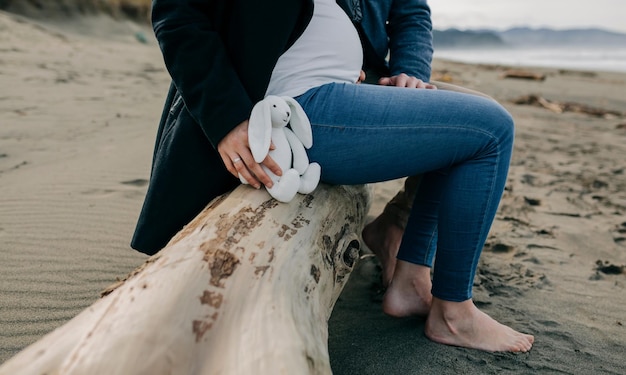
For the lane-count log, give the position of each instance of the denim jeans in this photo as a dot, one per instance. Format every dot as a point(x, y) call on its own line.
point(398, 208)
point(461, 144)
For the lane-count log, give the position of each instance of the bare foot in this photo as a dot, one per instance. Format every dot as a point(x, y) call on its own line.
point(462, 324)
point(383, 237)
point(409, 292)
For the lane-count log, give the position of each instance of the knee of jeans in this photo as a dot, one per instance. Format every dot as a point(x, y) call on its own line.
point(508, 125)
point(503, 126)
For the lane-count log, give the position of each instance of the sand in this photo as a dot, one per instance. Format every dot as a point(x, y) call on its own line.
point(79, 104)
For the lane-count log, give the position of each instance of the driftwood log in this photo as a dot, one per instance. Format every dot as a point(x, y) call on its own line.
point(246, 288)
point(560, 107)
point(523, 74)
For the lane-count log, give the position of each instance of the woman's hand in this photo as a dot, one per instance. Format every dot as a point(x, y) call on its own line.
point(403, 80)
point(237, 157)
point(361, 76)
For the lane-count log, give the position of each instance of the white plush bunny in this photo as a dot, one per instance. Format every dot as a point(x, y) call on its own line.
point(268, 123)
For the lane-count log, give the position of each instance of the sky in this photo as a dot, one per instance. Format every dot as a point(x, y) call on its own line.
point(504, 14)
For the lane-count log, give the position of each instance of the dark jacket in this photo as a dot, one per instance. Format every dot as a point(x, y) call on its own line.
point(406, 36)
point(220, 55)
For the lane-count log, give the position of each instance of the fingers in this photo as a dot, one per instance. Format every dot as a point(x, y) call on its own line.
point(234, 150)
point(258, 173)
point(232, 163)
point(236, 156)
point(251, 171)
point(361, 77)
point(270, 164)
point(243, 164)
point(240, 168)
point(404, 80)
point(385, 81)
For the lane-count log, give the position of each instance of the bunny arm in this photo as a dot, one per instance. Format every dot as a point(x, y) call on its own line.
point(300, 158)
point(299, 122)
point(285, 186)
point(282, 151)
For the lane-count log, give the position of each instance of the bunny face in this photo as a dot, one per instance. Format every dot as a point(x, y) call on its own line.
point(280, 112)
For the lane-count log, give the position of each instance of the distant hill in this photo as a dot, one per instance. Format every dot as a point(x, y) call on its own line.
point(523, 36)
point(549, 37)
point(454, 38)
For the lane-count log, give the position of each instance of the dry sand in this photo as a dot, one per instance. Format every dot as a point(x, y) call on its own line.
point(79, 105)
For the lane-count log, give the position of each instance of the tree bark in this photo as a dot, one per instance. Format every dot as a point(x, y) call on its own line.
point(246, 288)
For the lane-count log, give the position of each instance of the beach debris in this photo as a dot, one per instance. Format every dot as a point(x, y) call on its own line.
point(523, 74)
point(532, 201)
point(499, 247)
point(580, 73)
point(141, 37)
point(442, 76)
point(538, 101)
point(608, 268)
point(560, 107)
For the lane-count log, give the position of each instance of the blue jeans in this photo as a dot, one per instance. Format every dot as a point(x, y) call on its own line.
point(461, 144)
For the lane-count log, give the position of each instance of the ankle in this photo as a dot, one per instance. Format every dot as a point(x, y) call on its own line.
point(451, 312)
point(412, 274)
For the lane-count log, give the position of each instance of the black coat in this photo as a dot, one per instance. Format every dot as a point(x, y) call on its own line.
point(220, 55)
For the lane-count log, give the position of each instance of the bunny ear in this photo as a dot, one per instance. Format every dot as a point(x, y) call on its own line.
point(299, 122)
point(260, 130)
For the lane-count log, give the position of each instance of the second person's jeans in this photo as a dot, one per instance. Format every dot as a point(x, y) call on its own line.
point(462, 145)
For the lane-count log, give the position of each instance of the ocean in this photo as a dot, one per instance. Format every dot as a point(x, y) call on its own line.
point(609, 59)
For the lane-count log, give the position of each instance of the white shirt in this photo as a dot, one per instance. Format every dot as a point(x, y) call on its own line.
point(329, 50)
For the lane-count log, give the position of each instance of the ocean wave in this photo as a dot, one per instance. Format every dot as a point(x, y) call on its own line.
point(590, 58)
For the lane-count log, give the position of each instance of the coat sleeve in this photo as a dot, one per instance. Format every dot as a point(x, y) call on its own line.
point(410, 38)
point(197, 61)
point(221, 53)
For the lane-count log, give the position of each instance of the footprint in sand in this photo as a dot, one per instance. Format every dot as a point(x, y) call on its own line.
point(136, 183)
point(499, 248)
point(139, 182)
point(532, 201)
point(529, 179)
point(104, 192)
point(609, 268)
point(99, 192)
point(619, 235)
point(549, 323)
